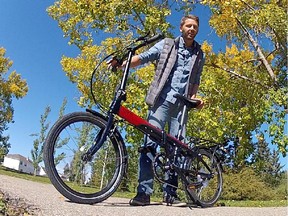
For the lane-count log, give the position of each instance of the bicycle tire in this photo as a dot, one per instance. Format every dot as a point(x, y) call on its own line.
point(206, 183)
point(80, 182)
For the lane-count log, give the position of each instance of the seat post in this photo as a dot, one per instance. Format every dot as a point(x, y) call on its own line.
point(181, 126)
point(188, 103)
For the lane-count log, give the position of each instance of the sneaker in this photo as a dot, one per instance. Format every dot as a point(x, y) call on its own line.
point(173, 201)
point(141, 199)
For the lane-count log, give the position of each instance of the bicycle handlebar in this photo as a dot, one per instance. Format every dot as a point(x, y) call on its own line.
point(149, 41)
point(133, 49)
point(119, 62)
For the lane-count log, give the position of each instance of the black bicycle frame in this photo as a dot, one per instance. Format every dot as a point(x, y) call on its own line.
point(160, 136)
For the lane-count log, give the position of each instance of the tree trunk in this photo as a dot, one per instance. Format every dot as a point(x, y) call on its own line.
point(259, 51)
point(103, 169)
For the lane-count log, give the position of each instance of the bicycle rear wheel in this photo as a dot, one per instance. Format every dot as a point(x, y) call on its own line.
point(204, 178)
point(79, 181)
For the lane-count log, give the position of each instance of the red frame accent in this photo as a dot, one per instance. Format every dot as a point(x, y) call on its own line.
point(131, 117)
point(135, 120)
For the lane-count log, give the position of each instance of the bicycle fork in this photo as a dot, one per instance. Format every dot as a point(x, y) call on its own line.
point(99, 140)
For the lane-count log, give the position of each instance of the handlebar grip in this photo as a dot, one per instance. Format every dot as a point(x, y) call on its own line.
point(154, 38)
point(118, 63)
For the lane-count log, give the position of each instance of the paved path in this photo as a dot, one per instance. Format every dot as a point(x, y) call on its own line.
point(51, 203)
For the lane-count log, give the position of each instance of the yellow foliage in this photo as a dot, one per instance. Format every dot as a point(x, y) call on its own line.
point(78, 18)
point(14, 85)
point(207, 48)
point(11, 85)
point(234, 106)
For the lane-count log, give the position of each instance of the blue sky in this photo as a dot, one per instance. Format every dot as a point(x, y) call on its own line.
point(36, 44)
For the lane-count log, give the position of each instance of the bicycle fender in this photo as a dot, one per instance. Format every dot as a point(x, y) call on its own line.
point(216, 156)
point(97, 114)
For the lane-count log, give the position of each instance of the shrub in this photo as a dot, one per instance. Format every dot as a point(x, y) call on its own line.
point(245, 185)
point(281, 191)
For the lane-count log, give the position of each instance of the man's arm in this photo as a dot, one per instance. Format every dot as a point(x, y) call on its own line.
point(135, 61)
point(193, 91)
point(150, 55)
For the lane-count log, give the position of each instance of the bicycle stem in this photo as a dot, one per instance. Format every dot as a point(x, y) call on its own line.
point(126, 70)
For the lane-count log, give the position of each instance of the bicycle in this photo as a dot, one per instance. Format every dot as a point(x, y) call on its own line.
point(86, 158)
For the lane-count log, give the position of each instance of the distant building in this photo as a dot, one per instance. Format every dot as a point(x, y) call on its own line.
point(41, 171)
point(21, 163)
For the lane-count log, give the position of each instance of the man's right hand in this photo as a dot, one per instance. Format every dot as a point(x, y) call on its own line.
point(113, 63)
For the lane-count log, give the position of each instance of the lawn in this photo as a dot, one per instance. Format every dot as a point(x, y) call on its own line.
point(232, 203)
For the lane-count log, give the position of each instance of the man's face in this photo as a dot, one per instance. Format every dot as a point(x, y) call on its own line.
point(189, 29)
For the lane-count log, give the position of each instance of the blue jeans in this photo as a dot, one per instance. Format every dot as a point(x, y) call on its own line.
point(161, 114)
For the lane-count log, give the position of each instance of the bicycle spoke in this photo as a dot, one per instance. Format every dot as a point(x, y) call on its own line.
point(75, 178)
point(204, 178)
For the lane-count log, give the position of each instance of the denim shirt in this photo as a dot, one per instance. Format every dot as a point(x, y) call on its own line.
point(178, 77)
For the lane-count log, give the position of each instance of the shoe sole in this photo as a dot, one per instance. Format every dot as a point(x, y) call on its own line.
point(176, 205)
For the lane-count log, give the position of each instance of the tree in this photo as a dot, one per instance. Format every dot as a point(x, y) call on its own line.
point(259, 28)
point(37, 151)
point(282, 190)
point(11, 86)
point(234, 107)
point(79, 20)
point(61, 142)
point(62, 108)
point(38, 144)
point(83, 138)
point(266, 163)
point(231, 113)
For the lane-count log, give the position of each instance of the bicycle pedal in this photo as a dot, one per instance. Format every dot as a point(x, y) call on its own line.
point(195, 185)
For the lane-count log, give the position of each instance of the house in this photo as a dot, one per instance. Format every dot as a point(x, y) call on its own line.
point(18, 162)
point(41, 171)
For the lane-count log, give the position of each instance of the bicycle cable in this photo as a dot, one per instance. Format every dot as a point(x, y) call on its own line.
point(91, 81)
point(106, 57)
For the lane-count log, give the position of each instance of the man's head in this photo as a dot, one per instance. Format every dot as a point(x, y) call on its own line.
point(190, 16)
point(189, 27)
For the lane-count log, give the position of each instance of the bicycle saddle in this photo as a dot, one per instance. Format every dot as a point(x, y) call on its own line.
point(190, 103)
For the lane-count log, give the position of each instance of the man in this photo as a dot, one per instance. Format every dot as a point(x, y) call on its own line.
point(180, 64)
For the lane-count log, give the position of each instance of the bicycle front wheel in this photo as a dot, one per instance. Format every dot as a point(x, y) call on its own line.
point(80, 181)
point(204, 177)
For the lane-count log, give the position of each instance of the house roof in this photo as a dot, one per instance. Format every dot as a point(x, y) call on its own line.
point(18, 157)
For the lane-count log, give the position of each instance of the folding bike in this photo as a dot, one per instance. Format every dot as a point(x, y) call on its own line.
point(86, 158)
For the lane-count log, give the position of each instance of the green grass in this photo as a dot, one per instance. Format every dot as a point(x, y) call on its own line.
point(14, 173)
point(232, 203)
point(254, 203)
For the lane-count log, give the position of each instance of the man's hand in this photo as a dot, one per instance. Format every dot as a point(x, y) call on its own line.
point(135, 61)
point(201, 104)
point(114, 63)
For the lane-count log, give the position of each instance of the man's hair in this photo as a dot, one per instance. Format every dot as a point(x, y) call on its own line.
point(190, 16)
